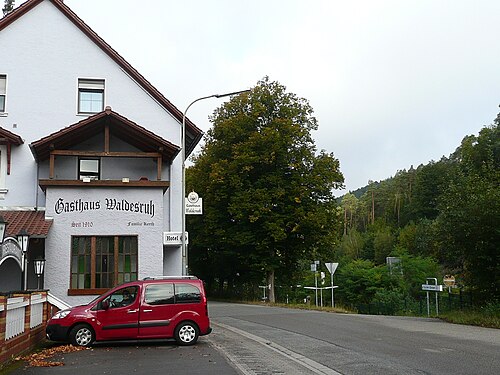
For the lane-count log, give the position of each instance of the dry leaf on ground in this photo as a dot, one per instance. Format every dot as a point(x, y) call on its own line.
point(40, 359)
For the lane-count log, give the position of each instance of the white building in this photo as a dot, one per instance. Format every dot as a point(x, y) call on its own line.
point(90, 161)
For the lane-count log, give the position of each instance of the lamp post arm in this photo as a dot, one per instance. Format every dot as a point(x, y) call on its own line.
point(183, 174)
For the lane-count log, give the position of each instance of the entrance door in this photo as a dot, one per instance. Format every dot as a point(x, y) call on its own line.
point(10, 275)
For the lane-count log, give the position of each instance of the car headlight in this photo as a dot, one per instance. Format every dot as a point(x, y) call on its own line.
point(61, 314)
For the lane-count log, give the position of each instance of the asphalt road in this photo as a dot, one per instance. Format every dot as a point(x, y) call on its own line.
point(360, 344)
point(250, 339)
point(161, 357)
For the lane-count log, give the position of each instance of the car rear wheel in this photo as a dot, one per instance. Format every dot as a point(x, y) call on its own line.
point(186, 333)
point(82, 335)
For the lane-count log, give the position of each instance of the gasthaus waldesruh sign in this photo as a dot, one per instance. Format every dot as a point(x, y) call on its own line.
point(194, 204)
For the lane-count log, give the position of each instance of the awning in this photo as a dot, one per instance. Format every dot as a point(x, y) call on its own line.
point(33, 222)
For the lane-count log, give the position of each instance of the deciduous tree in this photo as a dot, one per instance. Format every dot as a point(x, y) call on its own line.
point(268, 193)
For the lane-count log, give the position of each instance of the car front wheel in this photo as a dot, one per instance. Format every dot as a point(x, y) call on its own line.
point(82, 335)
point(186, 333)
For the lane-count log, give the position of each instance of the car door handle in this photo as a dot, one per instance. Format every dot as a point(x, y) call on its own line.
point(147, 310)
point(132, 311)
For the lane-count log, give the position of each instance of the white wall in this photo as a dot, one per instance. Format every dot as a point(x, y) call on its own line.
point(46, 56)
point(101, 222)
point(43, 54)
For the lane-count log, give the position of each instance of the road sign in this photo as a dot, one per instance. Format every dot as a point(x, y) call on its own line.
point(332, 267)
point(432, 288)
point(449, 280)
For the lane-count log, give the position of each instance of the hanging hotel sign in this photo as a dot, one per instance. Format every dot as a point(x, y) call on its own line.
point(106, 204)
point(194, 204)
point(174, 238)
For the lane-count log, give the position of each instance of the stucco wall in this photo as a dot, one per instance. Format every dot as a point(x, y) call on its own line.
point(46, 56)
point(101, 222)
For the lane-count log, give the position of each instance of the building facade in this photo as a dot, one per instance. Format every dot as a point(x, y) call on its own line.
point(90, 159)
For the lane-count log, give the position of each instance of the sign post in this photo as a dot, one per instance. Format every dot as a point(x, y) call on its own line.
point(264, 287)
point(316, 264)
point(332, 267)
point(432, 288)
point(449, 281)
point(314, 268)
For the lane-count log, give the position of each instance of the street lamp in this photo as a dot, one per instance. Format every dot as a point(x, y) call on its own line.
point(39, 264)
point(183, 178)
point(22, 240)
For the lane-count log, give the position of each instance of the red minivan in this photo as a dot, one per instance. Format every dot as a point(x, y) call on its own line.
point(153, 308)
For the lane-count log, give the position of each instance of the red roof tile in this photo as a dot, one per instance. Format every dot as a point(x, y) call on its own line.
point(33, 222)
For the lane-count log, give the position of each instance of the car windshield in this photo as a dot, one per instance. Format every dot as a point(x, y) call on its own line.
point(95, 299)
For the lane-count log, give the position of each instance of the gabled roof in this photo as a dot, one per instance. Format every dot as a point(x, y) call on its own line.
point(9, 137)
point(33, 222)
point(193, 133)
point(119, 126)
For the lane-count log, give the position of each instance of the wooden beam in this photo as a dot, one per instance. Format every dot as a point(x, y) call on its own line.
point(158, 177)
point(107, 154)
point(44, 183)
point(8, 157)
point(116, 254)
point(51, 166)
point(93, 242)
point(106, 137)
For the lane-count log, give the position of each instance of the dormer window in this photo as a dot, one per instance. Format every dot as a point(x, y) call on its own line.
point(88, 169)
point(90, 95)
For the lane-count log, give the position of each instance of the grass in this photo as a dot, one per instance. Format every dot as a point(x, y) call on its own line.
point(473, 318)
point(337, 309)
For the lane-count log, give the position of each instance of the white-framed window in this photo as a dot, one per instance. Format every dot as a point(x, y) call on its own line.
point(90, 95)
point(88, 168)
point(3, 92)
point(3, 171)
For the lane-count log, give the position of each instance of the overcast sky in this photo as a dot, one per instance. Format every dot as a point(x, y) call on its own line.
point(393, 83)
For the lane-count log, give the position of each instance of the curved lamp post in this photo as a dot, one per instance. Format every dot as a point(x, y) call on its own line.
point(183, 178)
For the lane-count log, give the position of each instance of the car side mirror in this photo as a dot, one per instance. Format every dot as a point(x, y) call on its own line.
point(105, 304)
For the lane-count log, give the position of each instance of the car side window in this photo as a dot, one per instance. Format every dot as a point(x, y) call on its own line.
point(122, 297)
point(159, 294)
point(187, 293)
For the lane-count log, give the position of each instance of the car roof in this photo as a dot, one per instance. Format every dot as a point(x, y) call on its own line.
point(160, 279)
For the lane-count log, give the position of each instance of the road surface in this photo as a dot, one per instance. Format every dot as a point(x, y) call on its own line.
point(268, 340)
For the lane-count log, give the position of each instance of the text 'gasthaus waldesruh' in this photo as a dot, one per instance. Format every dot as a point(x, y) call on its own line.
point(110, 204)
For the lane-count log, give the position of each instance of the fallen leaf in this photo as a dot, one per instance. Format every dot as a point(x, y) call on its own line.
point(40, 359)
